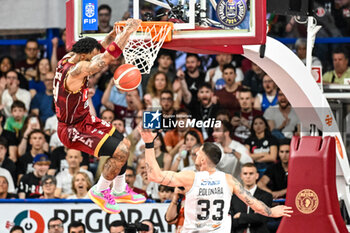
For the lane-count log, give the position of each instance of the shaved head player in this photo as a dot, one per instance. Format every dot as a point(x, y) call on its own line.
point(208, 192)
point(78, 129)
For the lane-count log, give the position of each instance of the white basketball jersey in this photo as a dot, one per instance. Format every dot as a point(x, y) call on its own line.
point(207, 204)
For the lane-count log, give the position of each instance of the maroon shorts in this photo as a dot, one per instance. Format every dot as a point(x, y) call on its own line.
point(87, 135)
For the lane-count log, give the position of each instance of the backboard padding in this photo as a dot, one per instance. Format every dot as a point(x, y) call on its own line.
point(202, 39)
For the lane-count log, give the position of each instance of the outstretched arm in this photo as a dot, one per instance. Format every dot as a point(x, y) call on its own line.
point(186, 94)
point(255, 204)
point(110, 37)
point(155, 174)
point(54, 59)
point(98, 62)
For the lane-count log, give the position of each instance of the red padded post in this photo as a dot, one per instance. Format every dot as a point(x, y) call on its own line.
point(311, 188)
point(70, 24)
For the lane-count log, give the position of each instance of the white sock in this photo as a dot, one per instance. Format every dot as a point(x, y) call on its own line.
point(119, 183)
point(103, 184)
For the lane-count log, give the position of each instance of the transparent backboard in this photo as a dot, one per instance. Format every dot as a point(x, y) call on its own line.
point(208, 25)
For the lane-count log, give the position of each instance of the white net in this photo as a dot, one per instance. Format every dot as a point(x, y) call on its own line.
point(144, 45)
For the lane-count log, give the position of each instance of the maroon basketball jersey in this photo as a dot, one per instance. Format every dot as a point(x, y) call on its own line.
point(71, 107)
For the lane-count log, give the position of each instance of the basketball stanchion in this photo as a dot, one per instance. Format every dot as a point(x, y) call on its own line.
point(312, 189)
point(144, 45)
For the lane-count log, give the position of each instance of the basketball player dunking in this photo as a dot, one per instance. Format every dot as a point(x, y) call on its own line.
point(208, 192)
point(78, 129)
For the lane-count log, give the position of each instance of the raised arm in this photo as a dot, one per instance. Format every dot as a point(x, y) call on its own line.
point(258, 206)
point(98, 62)
point(54, 59)
point(110, 37)
point(155, 174)
point(186, 94)
point(106, 94)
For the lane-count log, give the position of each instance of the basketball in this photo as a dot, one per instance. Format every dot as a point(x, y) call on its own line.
point(127, 77)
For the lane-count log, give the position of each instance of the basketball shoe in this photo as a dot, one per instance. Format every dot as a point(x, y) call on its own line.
point(104, 199)
point(128, 196)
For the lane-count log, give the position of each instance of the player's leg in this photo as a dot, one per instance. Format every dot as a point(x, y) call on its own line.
point(101, 193)
point(98, 138)
point(114, 171)
point(120, 190)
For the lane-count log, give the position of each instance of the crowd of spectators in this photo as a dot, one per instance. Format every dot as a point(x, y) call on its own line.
point(257, 121)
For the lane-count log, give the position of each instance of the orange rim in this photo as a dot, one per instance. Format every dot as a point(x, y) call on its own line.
point(158, 25)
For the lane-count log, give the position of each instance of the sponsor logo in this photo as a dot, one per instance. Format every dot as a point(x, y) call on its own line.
point(329, 120)
point(306, 201)
point(31, 221)
point(85, 94)
point(94, 219)
point(93, 118)
point(320, 11)
point(216, 226)
point(75, 136)
point(89, 14)
point(86, 104)
point(209, 182)
point(231, 13)
point(58, 75)
point(89, 10)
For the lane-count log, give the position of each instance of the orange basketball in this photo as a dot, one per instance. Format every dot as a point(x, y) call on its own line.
point(127, 77)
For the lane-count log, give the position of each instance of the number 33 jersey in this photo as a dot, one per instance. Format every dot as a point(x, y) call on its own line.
point(207, 204)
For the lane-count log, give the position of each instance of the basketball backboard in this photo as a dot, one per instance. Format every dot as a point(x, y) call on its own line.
point(200, 26)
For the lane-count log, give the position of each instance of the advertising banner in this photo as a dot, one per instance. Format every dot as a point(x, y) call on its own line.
point(33, 217)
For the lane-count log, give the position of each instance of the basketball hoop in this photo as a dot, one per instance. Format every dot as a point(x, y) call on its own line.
point(144, 44)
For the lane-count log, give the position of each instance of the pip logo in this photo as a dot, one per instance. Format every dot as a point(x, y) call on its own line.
point(31, 221)
point(329, 120)
point(152, 120)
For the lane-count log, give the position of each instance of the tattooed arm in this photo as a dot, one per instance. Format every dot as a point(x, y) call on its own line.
point(168, 178)
point(85, 68)
point(121, 41)
point(155, 174)
point(255, 204)
point(131, 26)
point(110, 37)
point(98, 62)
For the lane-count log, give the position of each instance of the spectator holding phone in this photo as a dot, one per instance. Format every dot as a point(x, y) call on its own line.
point(175, 212)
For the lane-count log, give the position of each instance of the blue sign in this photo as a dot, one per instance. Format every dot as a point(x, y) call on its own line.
point(152, 120)
point(89, 13)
